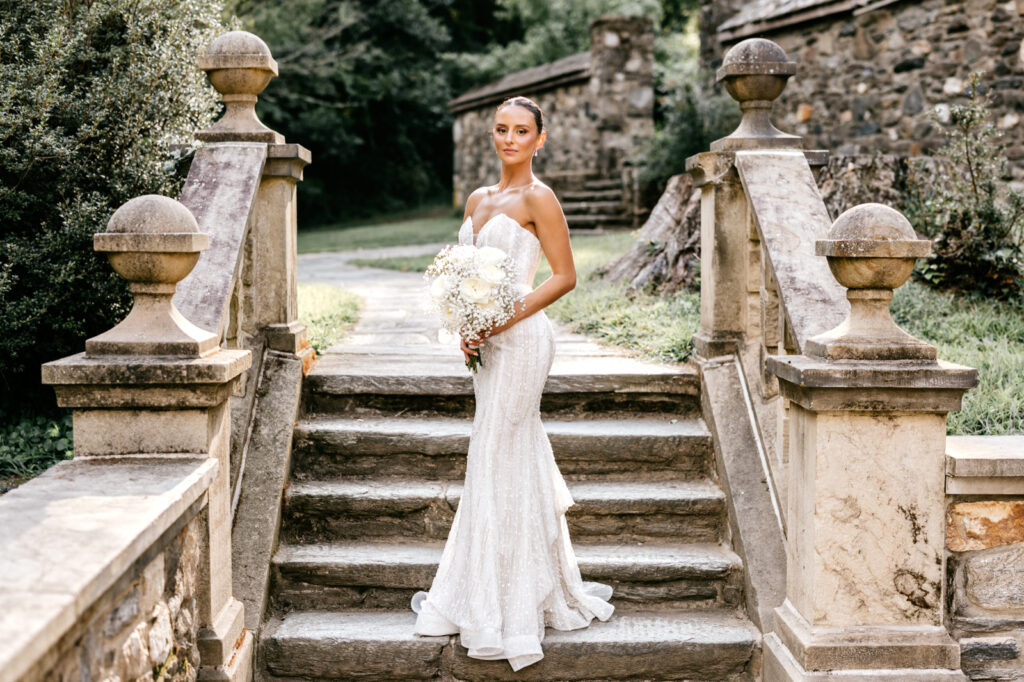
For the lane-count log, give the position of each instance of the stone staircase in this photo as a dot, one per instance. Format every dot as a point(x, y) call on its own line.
point(377, 468)
point(596, 204)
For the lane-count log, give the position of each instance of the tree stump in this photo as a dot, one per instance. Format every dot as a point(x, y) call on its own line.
point(666, 255)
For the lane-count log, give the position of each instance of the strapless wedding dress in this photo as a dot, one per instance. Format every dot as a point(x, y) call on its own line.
point(508, 568)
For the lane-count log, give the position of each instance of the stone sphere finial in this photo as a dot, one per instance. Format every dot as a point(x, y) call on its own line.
point(239, 65)
point(153, 242)
point(754, 72)
point(871, 250)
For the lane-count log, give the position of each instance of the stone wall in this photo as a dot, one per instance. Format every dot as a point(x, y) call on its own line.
point(144, 630)
point(597, 115)
point(866, 83)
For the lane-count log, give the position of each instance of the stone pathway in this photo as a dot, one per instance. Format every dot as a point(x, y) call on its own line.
point(397, 329)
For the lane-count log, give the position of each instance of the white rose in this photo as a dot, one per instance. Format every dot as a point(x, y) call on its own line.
point(490, 255)
point(462, 253)
point(490, 306)
point(439, 287)
point(493, 274)
point(475, 290)
point(448, 313)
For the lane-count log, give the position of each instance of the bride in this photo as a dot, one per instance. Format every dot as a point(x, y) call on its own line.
point(508, 568)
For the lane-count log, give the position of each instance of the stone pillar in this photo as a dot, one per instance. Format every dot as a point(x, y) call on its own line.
point(157, 385)
point(867, 431)
point(621, 88)
point(239, 66)
point(754, 73)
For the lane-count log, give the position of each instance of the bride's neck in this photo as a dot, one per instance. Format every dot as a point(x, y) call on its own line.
point(515, 176)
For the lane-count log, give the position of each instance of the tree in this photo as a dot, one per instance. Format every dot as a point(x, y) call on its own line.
point(92, 93)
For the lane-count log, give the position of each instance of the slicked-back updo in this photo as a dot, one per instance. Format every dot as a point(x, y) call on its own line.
point(529, 105)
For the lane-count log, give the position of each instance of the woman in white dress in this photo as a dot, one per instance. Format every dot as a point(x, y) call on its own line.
point(508, 569)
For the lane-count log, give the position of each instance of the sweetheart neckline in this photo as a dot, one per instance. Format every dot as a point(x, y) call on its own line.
point(476, 233)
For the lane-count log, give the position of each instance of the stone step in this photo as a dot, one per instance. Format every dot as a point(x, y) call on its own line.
point(386, 575)
point(605, 221)
point(632, 645)
point(592, 195)
point(409, 380)
point(435, 447)
point(318, 511)
point(597, 184)
point(589, 207)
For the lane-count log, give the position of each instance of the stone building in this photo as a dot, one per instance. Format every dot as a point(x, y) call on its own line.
point(870, 73)
point(599, 109)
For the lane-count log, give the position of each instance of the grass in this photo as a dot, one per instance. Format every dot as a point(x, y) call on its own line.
point(434, 227)
point(987, 335)
point(328, 312)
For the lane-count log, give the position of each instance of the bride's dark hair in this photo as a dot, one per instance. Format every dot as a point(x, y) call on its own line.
point(529, 105)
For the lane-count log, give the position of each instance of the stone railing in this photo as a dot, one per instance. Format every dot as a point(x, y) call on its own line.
point(828, 420)
point(149, 552)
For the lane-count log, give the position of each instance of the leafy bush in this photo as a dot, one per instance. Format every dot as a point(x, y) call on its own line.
point(688, 115)
point(31, 444)
point(92, 92)
point(962, 203)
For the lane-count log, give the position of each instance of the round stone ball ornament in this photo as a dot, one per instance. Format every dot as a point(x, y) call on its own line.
point(871, 251)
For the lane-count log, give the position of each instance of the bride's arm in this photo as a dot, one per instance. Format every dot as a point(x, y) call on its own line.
point(553, 233)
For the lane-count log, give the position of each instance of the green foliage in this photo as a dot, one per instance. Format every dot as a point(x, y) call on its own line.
point(92, 92)
point(552, 29)
point(31, 444)
point(978, 333)
point(977, 224)
point(328, 312)
point(688, 115)
point(361, 84)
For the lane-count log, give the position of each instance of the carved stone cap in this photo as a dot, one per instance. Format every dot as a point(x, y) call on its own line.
point(872, 231)
point(753, 57)
point(153, 242)
point(754, 73)
point(871, 250)
point(239, 65)
point(238, 50)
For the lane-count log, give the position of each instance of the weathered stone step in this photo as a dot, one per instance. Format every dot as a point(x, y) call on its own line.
point(404, 379)
point(386, 575)
point(435, 447)
point(593, 195)
point(588, 207)
point(380, 645)
point(597, 184)
point(316, 511)
point(605, 220)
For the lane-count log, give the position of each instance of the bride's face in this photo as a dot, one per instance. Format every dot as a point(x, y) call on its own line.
point(515, 134)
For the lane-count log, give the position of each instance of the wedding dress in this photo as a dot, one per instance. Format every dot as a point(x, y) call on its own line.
point(508, 568)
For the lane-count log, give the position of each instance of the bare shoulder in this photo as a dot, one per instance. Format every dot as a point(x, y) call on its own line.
point(539, 198)
point(475, 197)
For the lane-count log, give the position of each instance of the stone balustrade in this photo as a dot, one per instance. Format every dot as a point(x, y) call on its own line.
point(135, 557)
point(829, 423)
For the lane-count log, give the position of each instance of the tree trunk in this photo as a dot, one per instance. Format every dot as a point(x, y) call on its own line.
point(666, 255)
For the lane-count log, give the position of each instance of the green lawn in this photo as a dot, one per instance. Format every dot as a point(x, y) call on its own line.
point(424, 229)
point(982, 334)
point(328, 312)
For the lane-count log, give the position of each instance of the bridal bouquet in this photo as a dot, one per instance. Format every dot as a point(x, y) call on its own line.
point(473, 289)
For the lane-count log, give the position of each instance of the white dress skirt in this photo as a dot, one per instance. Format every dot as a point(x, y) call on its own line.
point(508, 569)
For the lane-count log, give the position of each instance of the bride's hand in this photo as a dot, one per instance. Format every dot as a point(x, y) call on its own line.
point(468, 349)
